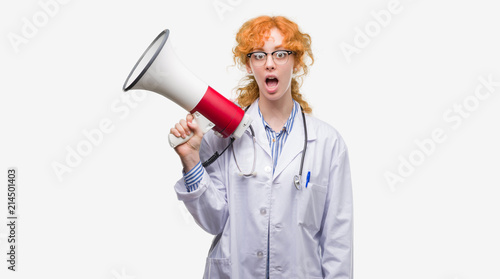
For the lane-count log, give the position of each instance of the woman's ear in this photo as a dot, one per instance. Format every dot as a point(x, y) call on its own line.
point(296, 67)
point(249, 69)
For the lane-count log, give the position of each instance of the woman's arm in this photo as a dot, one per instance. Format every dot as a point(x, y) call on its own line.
point(337, 235)
point(207, 202)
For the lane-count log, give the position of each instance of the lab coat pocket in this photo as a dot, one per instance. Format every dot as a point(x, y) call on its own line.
point(218, 268)
point(311, 204)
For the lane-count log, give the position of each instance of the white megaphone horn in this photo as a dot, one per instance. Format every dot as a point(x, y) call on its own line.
point(159, 70)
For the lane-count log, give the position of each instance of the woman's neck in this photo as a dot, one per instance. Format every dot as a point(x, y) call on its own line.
point(276, 113)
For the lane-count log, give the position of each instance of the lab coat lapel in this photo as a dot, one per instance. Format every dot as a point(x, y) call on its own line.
point(294, 143)
point(258, 127)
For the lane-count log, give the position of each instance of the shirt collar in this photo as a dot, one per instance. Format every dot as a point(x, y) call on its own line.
point(288, 124)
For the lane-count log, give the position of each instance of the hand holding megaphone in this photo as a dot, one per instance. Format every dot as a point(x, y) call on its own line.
point(203, 123)
point(187, 128)
point(159, 70)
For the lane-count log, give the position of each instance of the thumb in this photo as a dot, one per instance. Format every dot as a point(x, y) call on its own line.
point(193, 125)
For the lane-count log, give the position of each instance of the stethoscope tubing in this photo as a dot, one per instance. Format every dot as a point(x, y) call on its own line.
point(297, 179)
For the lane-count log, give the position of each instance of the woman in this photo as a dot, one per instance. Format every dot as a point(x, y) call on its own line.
point(266, 224)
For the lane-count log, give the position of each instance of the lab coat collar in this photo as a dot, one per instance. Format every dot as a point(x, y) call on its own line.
point(294, 144)
point(258, 127)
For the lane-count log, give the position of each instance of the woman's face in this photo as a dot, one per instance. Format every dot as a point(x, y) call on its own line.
point(274, 80)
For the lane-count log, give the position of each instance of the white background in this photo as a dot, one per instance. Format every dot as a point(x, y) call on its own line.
point(116, 215)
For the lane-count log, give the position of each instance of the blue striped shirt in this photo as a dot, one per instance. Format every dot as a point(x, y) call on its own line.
point(193, 177)
point(277, 139)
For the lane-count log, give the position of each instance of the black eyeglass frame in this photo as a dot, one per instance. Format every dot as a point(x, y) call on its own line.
point(288, 52)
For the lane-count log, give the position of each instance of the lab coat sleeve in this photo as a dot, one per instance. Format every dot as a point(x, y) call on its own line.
point(337, 233)
point(207, 204)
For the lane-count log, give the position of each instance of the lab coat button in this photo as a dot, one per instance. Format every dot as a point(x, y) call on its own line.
point(278, 226)
point(268, 169)
point(260, 254)
point(263, 211)
point(279, 268)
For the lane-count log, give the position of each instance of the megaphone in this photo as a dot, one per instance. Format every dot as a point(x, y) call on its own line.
point(160, 71)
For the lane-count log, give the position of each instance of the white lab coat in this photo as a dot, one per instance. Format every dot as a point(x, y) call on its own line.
point(310, 229)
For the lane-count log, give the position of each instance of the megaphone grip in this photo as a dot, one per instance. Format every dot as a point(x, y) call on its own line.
point(204, 124)
point(176, 141)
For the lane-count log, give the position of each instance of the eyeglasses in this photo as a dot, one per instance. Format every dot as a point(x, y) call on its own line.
point(259, 58)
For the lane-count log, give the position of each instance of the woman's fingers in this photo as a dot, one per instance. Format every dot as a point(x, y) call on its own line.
point(181, 129)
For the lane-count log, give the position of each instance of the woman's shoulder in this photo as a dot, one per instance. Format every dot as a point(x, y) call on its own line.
point(324, 131)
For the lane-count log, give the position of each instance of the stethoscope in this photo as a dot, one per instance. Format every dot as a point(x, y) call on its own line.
point(297, 179)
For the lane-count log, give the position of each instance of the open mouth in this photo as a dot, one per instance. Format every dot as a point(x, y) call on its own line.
point(272, 82)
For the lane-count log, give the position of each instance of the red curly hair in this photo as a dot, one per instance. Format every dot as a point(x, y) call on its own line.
point(252, 35)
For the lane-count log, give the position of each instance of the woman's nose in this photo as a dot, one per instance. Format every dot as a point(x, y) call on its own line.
point(270, 62)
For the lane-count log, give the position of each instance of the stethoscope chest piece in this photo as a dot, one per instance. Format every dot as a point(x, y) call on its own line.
point(296, 181)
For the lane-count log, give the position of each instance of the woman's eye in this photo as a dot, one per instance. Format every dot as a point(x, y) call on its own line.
point(259, 56)
point(280, 54)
